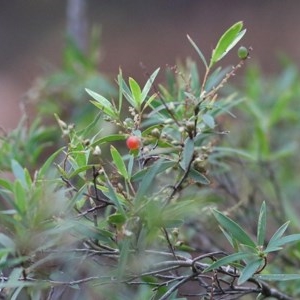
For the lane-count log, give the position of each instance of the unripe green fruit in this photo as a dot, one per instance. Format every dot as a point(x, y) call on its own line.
point(155, 132)
point(243, 52)
point(128, 122)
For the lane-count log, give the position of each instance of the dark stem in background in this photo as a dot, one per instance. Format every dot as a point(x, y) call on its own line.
point(77, 23)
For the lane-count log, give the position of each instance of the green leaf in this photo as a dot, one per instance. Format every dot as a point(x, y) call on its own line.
point(187, 154)
point(18, 172)
point(108, 139)
point(261, 225)
point(208, 120)
point(227, 41)
point(6, 184)
point(113, 196)
point(224, 261)
point(90, 231)
point(91, 126)
point(276, 236)
point(278, 277)
point(130, 165)
point(216, 77)
point(118, 219)
point(16, 292)
point(79, 170)
point(147, 180)
point(148, 102)
point(198, 177)
point(124, 256)
point(283, 241)
point(234, 229)
point(45, 167)
point(198, 51)
point(27, 178)
point(126, 91)
point(103, 104)
point(148, 84)
point(6, 241)
point(119, 162)
point(250, 270)
point(272, 248)
point(120, 78)
point(229, 238)
point(15, 275)
point(163, 166)
point(136, 93)
point(223, 151)
point(20, 195)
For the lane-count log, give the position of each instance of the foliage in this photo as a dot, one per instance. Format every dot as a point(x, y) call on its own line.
point(26, 143)
point(97, 218)
point(62, 92)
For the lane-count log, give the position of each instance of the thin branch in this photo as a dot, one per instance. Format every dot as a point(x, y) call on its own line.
point(176, 286)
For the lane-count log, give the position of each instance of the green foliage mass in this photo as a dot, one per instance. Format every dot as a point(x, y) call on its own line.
point(94, 219)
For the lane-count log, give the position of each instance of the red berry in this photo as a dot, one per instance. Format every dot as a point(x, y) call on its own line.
point(133, 142)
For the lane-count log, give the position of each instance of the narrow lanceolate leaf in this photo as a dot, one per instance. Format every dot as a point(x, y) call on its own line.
point(234, 229)
point(126, 92)
point(136, 92)
point(120, 79)
point(208, 120)
point(149, 100)
point(119, 162)
point(223, 262)
point(284, 240)
point(113, 196)
point(250, 270)
point(46, 166)
point(6, 241)
point(108, 138)
point(102, 103)
point(187, 154)
point(148, 84)
point(165, 165)
point(261, 225)
point(198, 177)
point(276, 236)
point(124, 256)
point(147, 181)
point(278, 277)
point(227, 41)
point(198, 51)
point(228, 237)
point(18, 172)
point(117, 219)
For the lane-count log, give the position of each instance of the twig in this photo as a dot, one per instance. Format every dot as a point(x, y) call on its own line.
point(176, 286)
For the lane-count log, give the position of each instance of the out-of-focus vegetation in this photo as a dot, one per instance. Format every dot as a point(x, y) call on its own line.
point(96, 220)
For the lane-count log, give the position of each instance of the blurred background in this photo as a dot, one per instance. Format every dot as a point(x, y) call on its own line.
point(32, 37)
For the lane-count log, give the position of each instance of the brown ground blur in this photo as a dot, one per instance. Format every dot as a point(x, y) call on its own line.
point(154, 32)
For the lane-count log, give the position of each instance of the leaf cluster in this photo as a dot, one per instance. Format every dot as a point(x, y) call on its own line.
point(96, 214)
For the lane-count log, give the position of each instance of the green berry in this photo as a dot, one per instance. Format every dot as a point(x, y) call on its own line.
point(243, 52)
point(155, 132)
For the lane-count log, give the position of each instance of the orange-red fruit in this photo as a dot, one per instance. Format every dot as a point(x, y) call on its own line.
point(133, 142)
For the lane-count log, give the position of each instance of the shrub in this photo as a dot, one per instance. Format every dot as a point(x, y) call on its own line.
point(116, 223)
